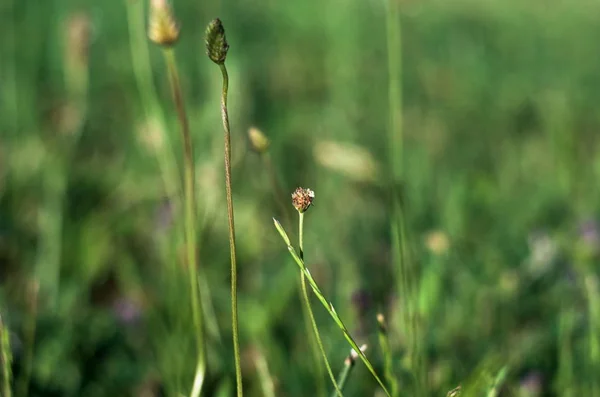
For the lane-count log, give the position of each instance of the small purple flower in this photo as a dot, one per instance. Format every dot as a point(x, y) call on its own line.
point(127, 311)
point(361, 300)
point(164, 217)
point(531, 384)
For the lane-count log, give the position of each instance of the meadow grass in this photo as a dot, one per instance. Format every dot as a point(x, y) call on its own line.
point(453, 147)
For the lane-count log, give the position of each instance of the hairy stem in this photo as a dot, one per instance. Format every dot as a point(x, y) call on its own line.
point(228, 189)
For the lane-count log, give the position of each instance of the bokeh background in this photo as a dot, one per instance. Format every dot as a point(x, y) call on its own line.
point(500, 191)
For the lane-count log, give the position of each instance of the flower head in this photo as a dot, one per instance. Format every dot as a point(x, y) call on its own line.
point(258, 141)
point(302, 199)
point(163, 28)
point(216, 43)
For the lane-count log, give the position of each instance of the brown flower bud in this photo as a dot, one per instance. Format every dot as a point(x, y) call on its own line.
point(302, 199)
point(216, 43)
point(163, 29)
point(258, 141)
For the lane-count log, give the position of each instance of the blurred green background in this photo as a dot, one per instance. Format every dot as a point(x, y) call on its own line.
point(501, 194)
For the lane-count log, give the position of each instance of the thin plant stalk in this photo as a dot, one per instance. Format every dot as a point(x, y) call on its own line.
point(142, 71)
point(278, 192)
point(228, 189)
point(384, 345)
point(344, 374)
point(5, 360)
point(264, 375)
point(309, 311)
point(189, 220)
point(28, 339)
point(329, 306)
point(396, 162)
point(593, 297)
point(56, 171)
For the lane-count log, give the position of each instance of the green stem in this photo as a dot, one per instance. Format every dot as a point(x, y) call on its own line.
point(308, 318)
point(264, 375)
point(142, 71)
point(5, 360)
point(29, 339)
point(277, 191)
point(394, 92)
point(384, 344)
point(311, 315)
point(345, 372)
point(329, 306)
point(189, 220)
point(228, 189)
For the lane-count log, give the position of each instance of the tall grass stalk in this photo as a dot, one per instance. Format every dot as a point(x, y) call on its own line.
point(328, 306)
point(308, 307)
point(189, 198)
point(5, 359)
point(398, 225)
point(29, 328)
point(140, 60)
point(384, 345)
point(264, 375)
point(67, 133)
point(566, 360)
point(216, 49)
point(260, 143)
point(593, 297)
point(228, 189)
point(494, 389)
point(344, 374)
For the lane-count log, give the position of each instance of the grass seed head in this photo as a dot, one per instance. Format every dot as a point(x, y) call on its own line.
point(216, 42)
point(163, 28)
point(258, 141)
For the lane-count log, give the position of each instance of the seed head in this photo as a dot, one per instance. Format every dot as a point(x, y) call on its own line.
point(216, 43)
point(78, 35)
point(258, 141)
point(302, 199)
point(163, 29)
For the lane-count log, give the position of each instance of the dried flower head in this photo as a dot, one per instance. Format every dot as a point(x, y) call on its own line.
point(163, 29)
point(216, 43)
point(437, 242)
point(258, 141)
point(302, 199)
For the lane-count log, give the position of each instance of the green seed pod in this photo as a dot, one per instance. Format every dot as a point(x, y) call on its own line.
point(216, 43)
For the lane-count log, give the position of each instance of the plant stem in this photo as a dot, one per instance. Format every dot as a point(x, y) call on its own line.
point(396, 163)
point(345, 372)
point(28, 338)
point(387, 356)
point(277, 191)
point(189, 220)
point(394, 92)
point(264, 375)
point(228, 189)
point(311, 315)
point(5, 360)
point(329, 306)
point(142, 71)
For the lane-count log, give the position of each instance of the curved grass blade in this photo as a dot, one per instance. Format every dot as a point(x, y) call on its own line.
point(328, 306)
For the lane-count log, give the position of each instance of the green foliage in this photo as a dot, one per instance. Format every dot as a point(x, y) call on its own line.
point(501, 162)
